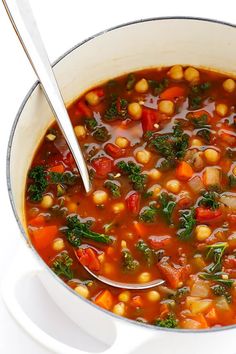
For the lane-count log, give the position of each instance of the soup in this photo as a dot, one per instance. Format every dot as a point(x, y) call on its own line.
point(160, 145)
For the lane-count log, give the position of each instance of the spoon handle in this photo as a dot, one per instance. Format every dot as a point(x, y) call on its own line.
point(23, 21)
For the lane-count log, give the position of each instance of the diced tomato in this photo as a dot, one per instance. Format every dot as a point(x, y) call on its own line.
point(231, 218)
point(43, 237)
point(185, 203)
point(133, 202)
point(211, 316)
point(58, 168)
point(99, 91)
point(136, 301)
point(172, 93)
point(158, 242)
point(171, 274)
point(230, 263)
point(149, 118)
point(84, 109)
point(104, 299)
point(114, 150)
point(207, 215)
point(69, 160)
point(88, 258)
point(228, 137)
point(103, 166)
point(37, 221)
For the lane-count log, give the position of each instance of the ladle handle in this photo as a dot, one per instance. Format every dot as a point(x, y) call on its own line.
point(23, 21)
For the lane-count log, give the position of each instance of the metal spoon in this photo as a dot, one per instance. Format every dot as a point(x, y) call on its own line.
point(129, 286)
point(23, 21)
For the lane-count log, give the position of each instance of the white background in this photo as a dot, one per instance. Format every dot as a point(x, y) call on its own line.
point(63, 23)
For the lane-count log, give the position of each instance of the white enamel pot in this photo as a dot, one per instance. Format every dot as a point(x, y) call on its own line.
point(143, 44)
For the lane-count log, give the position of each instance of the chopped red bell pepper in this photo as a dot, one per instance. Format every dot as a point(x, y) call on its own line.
point(103, 166)
point(84, 109)
point(114, 151)
point(158, 242)
point(149, 118)
point(171, 274)
point(133, 202)
point(207, 215)
point(88, 258)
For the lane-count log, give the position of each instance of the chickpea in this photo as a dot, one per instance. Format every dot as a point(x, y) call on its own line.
point(82, 290)
point(119, 309)
point(229, 85)
point(122, 142)
point(202, 232)
point(153, 295)
point(173, 186)
point(80, 131)
point(176, 72)
point(99, 197)
point(196, 142)
point(141, 86)
point(191, 74)
point(47, 201)
point(92, 98)
point(58, 244)
point(211, 155)
point(154, 174)
point(144, 277)
point(135, 110)
point(143, 156)
point(118, 207)
point(221, 109)
point(124, 296)
point(167, 107)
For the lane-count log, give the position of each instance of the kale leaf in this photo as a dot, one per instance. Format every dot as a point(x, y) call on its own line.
point(117, 109)
point(158, 86)
point(114, 188)
point(133, 171)
point(215, 253)
point(128, 261)
point(62, 266)
point(209, 200)
point(169, 321)
point(36, 189)
point(149, 254)
point(187, 223)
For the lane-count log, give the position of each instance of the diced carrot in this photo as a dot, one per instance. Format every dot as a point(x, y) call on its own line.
point(88, 258)
point(139, 228)
point(211, 316)
point(201, 319)
point(184, 171)
point(37, 221)
point(44, 236)
point(104, 300)
point(173, 92)
point(172, 275)
point(136, 301)
point(58, 168)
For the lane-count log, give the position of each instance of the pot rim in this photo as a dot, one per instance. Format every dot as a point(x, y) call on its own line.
point(8, 175)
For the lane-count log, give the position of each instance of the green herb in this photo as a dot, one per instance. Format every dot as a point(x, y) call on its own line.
point(171, 146)
point(200, 122)
point(118, 109)
point(130, 81)
point(232, 181)
point(158, 86)
point(90, 123)
point(201, 88)
point(215, 253)
point(135, 176)
point(217, 278)
point(113, 188)
point(76, 230)
point(67, 178)
point(205, 134)
point(209, 200)
point(194, 102)
point(220, 290)
point(62, 266)
point(39, 176)
point(149, 213)
point(180, 293)
point(147, 195)
point(149, 254)
point(101, 134)
point(128, 261)
point(166, 205)
point(187, 222)
point(168, 322)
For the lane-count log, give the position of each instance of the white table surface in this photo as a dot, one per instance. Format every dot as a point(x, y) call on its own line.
point(62, 24)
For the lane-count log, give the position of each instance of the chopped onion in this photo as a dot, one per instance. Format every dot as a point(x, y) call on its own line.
point(61, 146)
point(200, 289)
point(196, 184)
point(212, 176)
point(229, 200)
point(222, 304)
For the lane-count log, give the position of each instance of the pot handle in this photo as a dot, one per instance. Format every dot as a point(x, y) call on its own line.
point(27, 265)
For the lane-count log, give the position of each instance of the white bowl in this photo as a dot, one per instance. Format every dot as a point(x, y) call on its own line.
point(123, 49)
